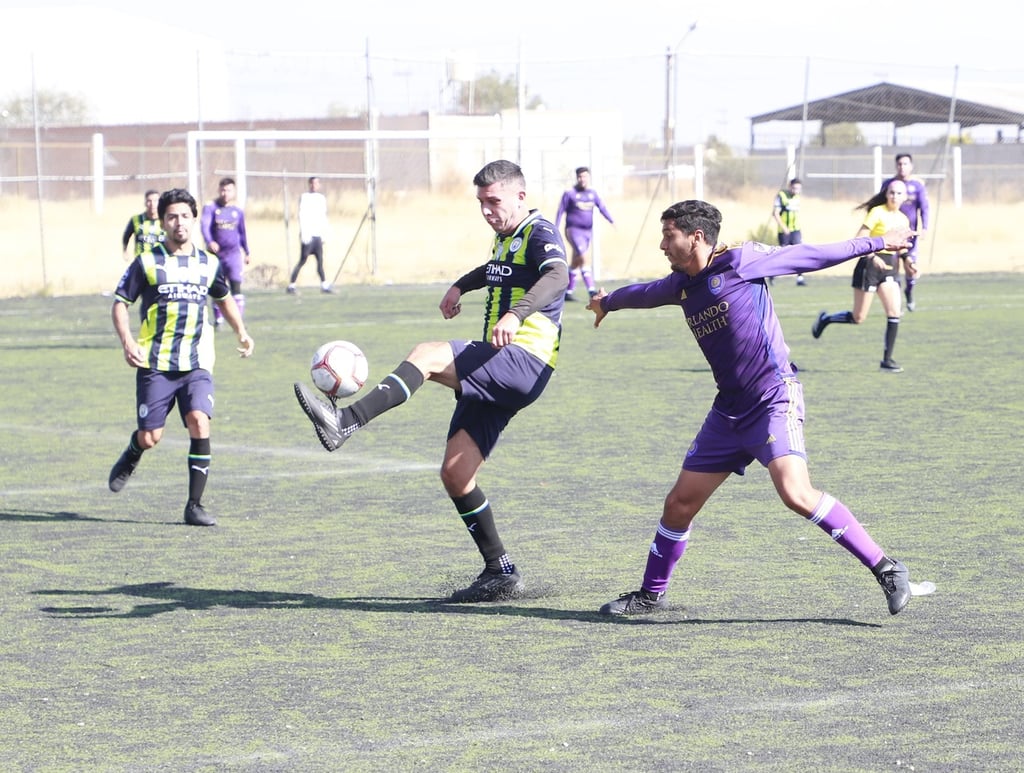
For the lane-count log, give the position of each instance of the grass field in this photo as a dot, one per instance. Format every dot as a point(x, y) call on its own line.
point(305, 631)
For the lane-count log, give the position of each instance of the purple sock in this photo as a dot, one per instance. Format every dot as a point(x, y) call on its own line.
point(572, 281)
point(588, 279)
point(240, 303)
point(838, 522)
point(666, 550)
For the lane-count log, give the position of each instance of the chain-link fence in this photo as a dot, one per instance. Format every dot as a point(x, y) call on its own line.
point(672, 131)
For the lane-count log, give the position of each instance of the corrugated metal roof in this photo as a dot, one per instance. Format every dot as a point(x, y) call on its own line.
point(898, 105)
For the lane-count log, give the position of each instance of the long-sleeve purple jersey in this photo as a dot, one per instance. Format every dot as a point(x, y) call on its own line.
point(729, 310)
point(226, 226)
point(577, 205)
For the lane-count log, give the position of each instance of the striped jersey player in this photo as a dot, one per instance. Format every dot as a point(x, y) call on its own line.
point(493, 378)
point(174, 353)
point(145, 228)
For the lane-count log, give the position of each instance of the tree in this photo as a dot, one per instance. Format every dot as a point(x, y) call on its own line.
point(491, 93)
point(723, 171)
point(56, 108)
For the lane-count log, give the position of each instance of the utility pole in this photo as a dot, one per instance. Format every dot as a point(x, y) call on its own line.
point(671, 106)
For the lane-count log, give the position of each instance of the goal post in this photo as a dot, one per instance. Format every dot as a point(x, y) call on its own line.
point(241, 139)
point(435, 159)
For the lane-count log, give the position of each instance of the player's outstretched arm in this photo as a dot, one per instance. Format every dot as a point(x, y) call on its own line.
point(897, 239)
point(595, 306)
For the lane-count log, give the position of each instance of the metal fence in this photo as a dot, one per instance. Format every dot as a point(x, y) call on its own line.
point(64, 166)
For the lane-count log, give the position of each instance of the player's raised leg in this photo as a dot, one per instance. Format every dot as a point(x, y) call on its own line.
point(432, 360)
point(335, 425)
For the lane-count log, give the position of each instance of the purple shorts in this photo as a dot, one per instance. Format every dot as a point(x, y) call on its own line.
point(579, 239)
point(774, 428)
point(494, 385)
point(156, 392)
point(233, 265)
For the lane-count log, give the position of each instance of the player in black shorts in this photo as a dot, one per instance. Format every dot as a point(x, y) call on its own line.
point(493, 378)
point(878, 273)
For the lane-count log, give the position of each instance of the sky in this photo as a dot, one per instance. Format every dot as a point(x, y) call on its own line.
point(192, 60)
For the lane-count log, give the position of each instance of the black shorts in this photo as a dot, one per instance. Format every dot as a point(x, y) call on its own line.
point(867, 276)
point(157, 391)
point(494, 385)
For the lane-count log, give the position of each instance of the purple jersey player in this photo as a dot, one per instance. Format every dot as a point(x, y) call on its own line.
point(223, 227)
point(577, 205)
point(758, 411)
point(915, 207)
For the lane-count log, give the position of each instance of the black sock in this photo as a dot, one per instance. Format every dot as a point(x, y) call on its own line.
point(133, 448)
point(892, 327)
point(476, 513)
point(397, 387)
point(840, 317)
point(198, 467)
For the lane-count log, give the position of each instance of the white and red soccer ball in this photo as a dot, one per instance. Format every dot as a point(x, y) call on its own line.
point(339, 369)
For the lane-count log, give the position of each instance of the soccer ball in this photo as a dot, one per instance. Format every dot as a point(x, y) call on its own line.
point(339, 369)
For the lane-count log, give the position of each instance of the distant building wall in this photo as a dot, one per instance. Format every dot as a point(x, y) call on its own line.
point(136, 157)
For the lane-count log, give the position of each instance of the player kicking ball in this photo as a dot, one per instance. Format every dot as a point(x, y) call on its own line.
point(758, 412)
point(493, 378)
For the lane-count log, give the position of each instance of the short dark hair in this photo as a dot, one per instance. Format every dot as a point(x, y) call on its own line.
point(907, 156)
point(310, 180)
point(581, 169)
point(499, 172)
point(692, 215)
point(227, 181)
point(150, 192)
point(176, 196)
point(796, 181)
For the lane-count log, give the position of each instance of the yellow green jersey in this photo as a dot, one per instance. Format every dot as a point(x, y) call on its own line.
point(517, 262)
point(147, 232)
point(176, 333)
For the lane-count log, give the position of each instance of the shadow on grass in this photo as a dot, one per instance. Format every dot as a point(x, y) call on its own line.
point(44, 516)
point(170, 598)
point(55, 516)
point(74, 345)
